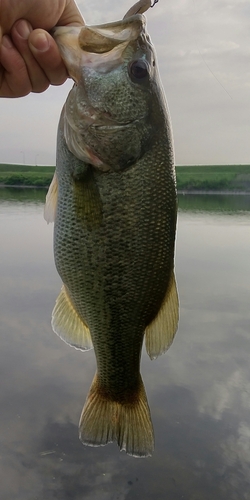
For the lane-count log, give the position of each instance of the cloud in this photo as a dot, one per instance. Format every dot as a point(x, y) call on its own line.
point(237, 448)
point(225, 394)
point(203, 50)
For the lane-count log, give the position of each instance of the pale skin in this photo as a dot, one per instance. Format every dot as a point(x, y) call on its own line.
point(29, 57)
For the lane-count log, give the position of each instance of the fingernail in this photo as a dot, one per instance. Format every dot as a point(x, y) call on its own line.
point(23, 29)
point(6, 42)
point(40, 42)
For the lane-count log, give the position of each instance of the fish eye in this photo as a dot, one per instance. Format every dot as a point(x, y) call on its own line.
point(138, 70)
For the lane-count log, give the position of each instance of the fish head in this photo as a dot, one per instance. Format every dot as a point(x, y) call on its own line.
point(110, 116)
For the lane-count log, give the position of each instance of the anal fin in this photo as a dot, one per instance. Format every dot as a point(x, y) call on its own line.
point(68, 325)
point(161, 331)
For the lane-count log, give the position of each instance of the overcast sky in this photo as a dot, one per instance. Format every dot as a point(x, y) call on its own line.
point(203, 49)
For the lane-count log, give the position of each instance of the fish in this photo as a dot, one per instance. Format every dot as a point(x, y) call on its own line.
point(114, 206)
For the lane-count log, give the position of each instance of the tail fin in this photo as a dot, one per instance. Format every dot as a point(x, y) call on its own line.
point(104, 421)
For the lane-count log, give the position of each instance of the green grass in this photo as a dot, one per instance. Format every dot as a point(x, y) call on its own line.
point(26, 175)
point(213, 178)
point(9, 167)
point(189, 178)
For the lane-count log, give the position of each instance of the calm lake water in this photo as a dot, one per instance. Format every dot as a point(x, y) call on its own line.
point(199, 391)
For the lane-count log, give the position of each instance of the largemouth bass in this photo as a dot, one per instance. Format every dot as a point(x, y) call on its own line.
point(113, 199)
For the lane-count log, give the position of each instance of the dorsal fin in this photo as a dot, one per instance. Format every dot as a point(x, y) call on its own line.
point(160, 333)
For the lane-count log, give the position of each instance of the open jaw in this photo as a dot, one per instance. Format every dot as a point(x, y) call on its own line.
point(99, 47)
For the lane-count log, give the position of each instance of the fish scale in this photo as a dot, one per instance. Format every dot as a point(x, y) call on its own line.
point(114, 230)
point(129, 284)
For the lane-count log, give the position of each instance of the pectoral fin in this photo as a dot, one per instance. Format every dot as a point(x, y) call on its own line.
point(67, 324)
point(160, 333)
point(51, 201)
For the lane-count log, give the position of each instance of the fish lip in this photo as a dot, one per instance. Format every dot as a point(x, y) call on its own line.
point(85, 45)
point(115, 125)
point(112, 126)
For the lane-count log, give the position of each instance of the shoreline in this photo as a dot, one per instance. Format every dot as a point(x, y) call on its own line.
point(191, 179)
point(212, 192)
point(181, 191)
point(22, 186)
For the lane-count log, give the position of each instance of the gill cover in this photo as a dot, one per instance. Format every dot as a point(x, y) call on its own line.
point(89, 123)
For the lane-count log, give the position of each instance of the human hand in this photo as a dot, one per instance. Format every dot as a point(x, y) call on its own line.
point(29, 58)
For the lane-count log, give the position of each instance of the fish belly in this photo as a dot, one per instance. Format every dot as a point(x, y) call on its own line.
point(114, 250)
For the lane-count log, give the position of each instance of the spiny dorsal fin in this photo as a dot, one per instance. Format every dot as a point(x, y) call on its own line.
point(51, 201)
point(160, 333)
point(68, 325)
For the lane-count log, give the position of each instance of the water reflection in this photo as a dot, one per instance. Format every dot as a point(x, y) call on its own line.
point(27, 195)
point(199, 392)
point(226, 204)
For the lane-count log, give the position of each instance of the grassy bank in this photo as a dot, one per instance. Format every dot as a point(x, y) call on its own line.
point(189, 178)
point(26, 175)
point(213, 178)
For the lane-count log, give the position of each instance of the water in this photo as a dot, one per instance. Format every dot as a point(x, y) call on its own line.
point(199, 392)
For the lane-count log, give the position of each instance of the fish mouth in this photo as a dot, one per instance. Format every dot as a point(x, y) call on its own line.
point(116, 125)
point(100, 47)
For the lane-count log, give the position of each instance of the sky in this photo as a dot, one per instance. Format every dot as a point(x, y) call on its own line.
point(203, 49)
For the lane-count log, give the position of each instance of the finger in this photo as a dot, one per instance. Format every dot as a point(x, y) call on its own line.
point(70, 15)
point(20, 34)
point(47, 55)
point(41, 14)
point(15, 80)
